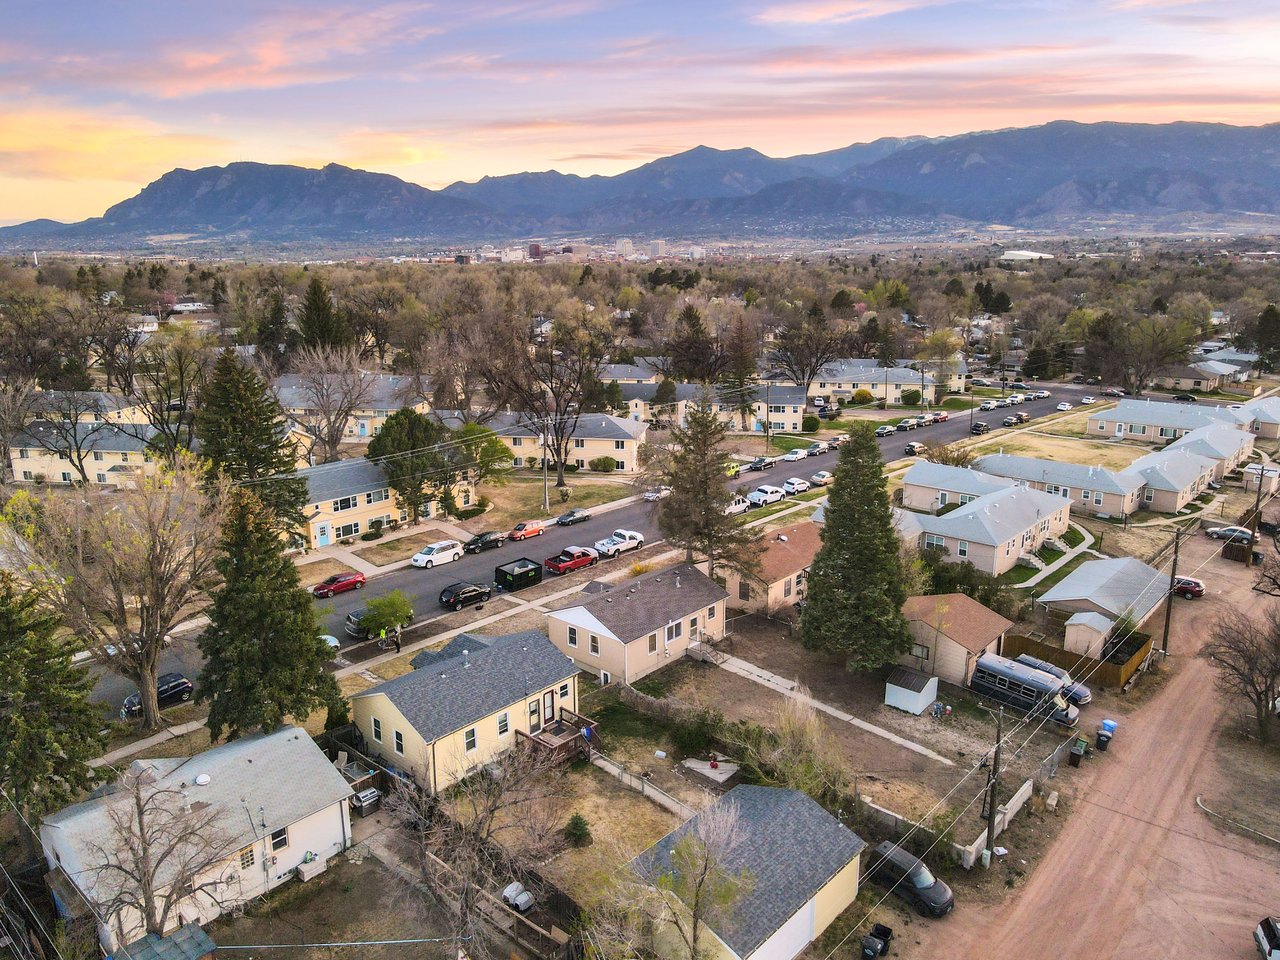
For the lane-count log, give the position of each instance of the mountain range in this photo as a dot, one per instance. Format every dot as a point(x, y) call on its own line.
point(1061, 175)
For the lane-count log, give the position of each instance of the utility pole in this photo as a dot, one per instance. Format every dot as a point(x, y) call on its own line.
point(993, 780)
point(1257, 516)
point(1168, 597)
point(767, 424)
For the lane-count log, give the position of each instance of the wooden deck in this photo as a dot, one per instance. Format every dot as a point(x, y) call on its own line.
point(564, 737)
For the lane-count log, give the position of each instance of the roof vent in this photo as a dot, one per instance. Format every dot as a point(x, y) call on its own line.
point(203, 780)
point(782, 538)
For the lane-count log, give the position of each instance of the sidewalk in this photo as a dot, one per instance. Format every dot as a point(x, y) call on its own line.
point(1085, 546)
point(131, 749)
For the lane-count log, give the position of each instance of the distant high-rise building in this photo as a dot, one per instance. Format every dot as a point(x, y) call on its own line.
point(624, 248)
point(535, 251)
point(657, 248)
point(696, 253)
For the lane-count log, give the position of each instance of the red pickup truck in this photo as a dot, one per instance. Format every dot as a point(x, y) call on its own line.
point(571, 558)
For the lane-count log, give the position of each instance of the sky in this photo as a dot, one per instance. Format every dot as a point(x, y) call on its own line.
point(99, 98)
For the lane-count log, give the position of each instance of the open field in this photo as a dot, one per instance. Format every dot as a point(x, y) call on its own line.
point(521, 499)
point(1045, 446)
point(1247, 788)
point(401, 548)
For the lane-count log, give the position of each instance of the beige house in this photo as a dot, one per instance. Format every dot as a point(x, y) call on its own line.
point(641, 624)
point(1171, 478)
point(784, 566)
point(466, 704)
point(804, 866)
point(1264, 417)
point(1091, 490)
point(841, 379)
point(1155, 421)
point(88, 405)
point(949, 633)
point(931, 486)
point(628, 373)
point(109, 454)
point(1204, 377)
point(991, 532)
point(1226, 446)
point(595, 435)
point(381, 395)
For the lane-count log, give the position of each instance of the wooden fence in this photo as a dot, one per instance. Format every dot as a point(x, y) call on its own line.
point(1101, 673)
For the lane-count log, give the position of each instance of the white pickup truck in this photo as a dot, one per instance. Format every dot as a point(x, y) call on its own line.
point(620, 541)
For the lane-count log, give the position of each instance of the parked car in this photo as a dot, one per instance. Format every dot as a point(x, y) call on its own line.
point(941, 416)
point(576, 515)
point(1185, 398)
point(732, 468)
point(528, 528)
point(1004, 402)
point(979, 428)
point(656, 493)
point(570, 559)
point(332, 642)
point(1093, 381)
point(1088, 401)
point(822, 478)
point(914, 448)
point(736, 506)
point(887, 430)
point(462, 594)
point(1076, 693)
point(761, 463)
point(1017, 398)
point(354, 624)
point(1078, 378)
point(818, 447)
point(434, 554)
point(979, 382)
point(1019, 385)
point(1232, 534)
point(1010, 421)
point(838, 440)
point(1022, 417)
point(926, 418)
point(171, 689)
point(1189, 588)
point(987, 405)
point(796, 455)
point(1267, 937)
point(620, 541)
point(763, 495)
point(795, 485)
point(1114, 392)
point(908, 877)
point(489, 540)
point(910, 423)
point(1064, 406)
point(339, 583)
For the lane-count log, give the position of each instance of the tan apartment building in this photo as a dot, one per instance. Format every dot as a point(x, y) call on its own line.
point(930, 487)
point(784, 567)
point(1091, 490)
point(949, 632)
point(1171, 478)
point(1155, 421)
point(99, 453)
point(1264, 417)
point(595, 435)
point(381, 395)
point(1227, 447)
point(639, 625)
point(88, 405)
point(465, 705)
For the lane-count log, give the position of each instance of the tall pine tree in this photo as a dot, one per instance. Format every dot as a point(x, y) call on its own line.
point(1268, 337)
point(243, 432)
point(265, 658)
point(49, 731)
point(855, 594)
point(320, 323)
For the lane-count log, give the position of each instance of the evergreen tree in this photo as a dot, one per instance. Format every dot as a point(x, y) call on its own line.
point(273, 330)
point(265, 658)
point(696, 356)
point(887, 350)
point(693, 516)
point(855, 594)
point(243, 433)
point(49, 731)
point(417, 468)
point(1267, 336)
point(842, 301)
point(320, 323)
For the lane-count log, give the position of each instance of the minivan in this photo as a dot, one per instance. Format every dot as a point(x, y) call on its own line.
point(909, 878)
point(1076, 693)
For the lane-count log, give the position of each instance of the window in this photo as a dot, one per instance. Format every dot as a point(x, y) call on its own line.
point(920, 651)
point(24, 454)
point(942, 499)
point(124, 458)
point(377, 730)
point(466, 497)
point(934, 540)
point(504, 724)
point(619, 465)
point(347, 530)
point(280, 839)
point(399, 742)
point(564, 691)
point(966, 498)
point(580, 463)
point(517, 461)
point(711, 613)
point(619, 445)
point(102, 477)
point(469, 739)
point(579, 443)
point(517, 441)
point(744, 590)
point(573, 636)
point(344, 503)
point(653, 643)
point(962, 548)
point(1137, 429)
point(247, 858)
point(675, 631)
point(1148, 495)
point(97, 455)
point(595, 645)
point(786, 587)
point(66, 476)
point(376, 496)
point(28, 475)
point(1167, 432)
point(535, 713)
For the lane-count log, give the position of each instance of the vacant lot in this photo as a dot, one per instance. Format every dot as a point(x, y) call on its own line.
point(312, 573)
point(1046, 446)
point(1247, 788)
point(401, 548)
point(521, 499)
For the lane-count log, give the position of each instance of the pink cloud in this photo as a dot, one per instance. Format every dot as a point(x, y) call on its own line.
point(811, 12)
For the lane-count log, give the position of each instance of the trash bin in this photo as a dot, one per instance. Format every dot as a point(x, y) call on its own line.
point(1077, 751)
point(1109, 727)
point(873, 946)
point(1102, 740)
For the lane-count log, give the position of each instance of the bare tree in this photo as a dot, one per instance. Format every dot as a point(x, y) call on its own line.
point(806, 344)
point(796, 751)
point(122, 573)
point(333, 388)
point(16, 395)
point(71, 424)
point(951, 454)
point(165, 383)
point(1245, 651)
point(373, 308)
point(161, 850)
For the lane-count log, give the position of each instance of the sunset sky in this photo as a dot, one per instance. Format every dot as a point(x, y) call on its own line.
point(99, 98)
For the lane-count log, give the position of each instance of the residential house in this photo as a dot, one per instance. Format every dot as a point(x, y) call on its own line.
point(1171, 478)
point(348, 497)
point(89, 405)
point(1204, 376)
point(843, 378)
point(1264, 414)
point(1244, 362)
point(784, 566)
point(595, 435)
point(782, 408)
point(641, 624)
point(641, 406)
point(279, 803)
point(932, 486)
point(628, 373)
point(1226, 446)
point(1114, 588)
point(949, 632)
point(1155, 421)
point(803, 865)
point(991, 532)
point(466, 705)
point(1091, 490)
point(383, 395)
point(112, 456)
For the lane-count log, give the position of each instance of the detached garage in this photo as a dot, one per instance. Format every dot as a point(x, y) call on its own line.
point(803, 866)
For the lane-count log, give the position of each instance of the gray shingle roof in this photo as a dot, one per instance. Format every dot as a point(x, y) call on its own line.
point(1122, 585)
point(791, 848)
point(1064, 474)
point(342, 479)
point(941, 476)
point(1172, 470)
point(85, 400)
point(1179, 416)
point(868, 370)
point(1264, 409)
point(993, 519)
point(188, 942)
point(616, 371)
point(462, 643)
point(645, 391)
point(386, 391)
point(590, 426)
point(448, 694)
point(637, 607)
point(90, 435)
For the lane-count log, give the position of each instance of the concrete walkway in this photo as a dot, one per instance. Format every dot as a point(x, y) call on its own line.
point(788, 689)
point(1085, 546)
point(131, 749)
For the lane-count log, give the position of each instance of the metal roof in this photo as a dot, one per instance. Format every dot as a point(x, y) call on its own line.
point(1121, 586)
point(1179, 416)
point(89, 435)
point(1169, 469)
point(1217, 442)
point(908, 679)
point(1061, 473)
point(590, 426)
point(995, 518)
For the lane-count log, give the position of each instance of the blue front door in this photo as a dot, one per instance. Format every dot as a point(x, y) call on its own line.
point(363, 427)
point(322, 535)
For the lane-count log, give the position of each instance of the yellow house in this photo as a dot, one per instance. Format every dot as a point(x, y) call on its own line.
point(98, 453)
point(382, 394)
point(595, 435)
point(800, 867)
point(87, 405)
point(640, 624)
point(468, 703)
point(784, 566)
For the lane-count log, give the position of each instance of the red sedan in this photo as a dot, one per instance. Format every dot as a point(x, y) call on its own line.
point(339, 583)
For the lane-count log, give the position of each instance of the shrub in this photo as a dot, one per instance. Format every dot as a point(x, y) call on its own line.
point(943, 510)
point(570, 468)
point(810, 423)
point(603, 464)
point(695, 735)
point(577, 831)
point(639, 569)
point(469, 512)
point(863, 397)
point(911, 397)
point(371, 535)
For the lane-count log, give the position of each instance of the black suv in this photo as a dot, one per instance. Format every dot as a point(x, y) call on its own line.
point(171, 689)
point(489, 540)
point(458, 595)
point(979, 428)
point(910, 879)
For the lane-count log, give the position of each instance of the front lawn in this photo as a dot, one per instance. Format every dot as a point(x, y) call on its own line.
point(1056, 576)
point(401, 548)
point(1049, 555)
point(312, 573)
point(1019, 574)
point(1072, 537)
point(521, 499)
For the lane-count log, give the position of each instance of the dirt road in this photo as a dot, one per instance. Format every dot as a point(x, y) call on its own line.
point(1138, 871)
